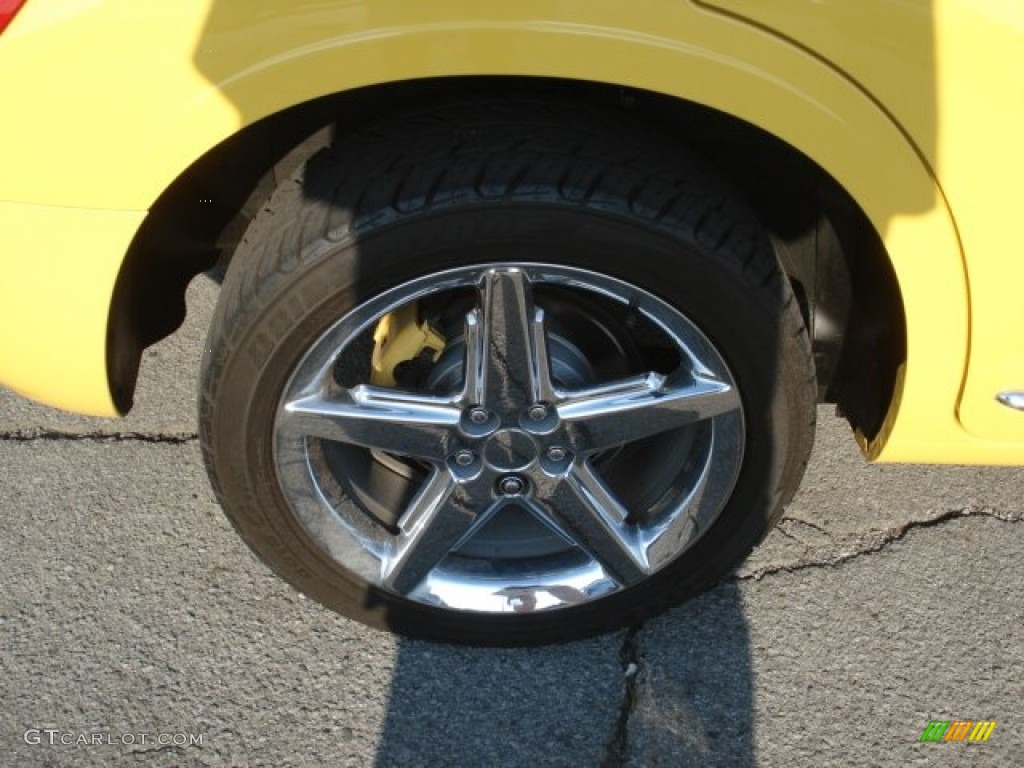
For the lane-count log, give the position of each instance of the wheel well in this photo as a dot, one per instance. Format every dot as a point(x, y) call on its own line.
point(835, 259)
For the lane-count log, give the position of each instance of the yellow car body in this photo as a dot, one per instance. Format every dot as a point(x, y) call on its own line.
point(915, 108)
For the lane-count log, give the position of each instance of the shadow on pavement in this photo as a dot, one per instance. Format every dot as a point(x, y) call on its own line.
point(686, 702)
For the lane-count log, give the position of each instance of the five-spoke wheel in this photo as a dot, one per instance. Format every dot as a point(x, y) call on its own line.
point(513, 453)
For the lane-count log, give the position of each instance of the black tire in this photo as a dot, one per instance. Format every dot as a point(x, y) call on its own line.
point(518, 179)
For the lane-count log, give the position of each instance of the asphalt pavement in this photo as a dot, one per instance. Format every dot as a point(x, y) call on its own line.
point(134, 623)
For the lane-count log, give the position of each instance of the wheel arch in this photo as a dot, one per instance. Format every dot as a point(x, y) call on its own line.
point(793, 99)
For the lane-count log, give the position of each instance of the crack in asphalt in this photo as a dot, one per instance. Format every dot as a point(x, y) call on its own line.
point(786, 522)
point(873, 541)
point(38, 433)
point(629, 655)
point(808, 523)
point(787, 534)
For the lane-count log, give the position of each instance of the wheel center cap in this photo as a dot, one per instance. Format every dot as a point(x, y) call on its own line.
point(508, 450)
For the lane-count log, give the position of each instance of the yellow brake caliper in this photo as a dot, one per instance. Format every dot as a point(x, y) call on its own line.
point(401, 337)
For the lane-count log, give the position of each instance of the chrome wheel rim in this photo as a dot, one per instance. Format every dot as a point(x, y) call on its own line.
point(528, 478)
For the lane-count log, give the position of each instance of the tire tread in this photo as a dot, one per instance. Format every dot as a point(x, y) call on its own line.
point(509, 151)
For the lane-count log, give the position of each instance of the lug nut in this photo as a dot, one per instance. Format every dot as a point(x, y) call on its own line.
point(537, 412)
point(556, 453)
point(511, 485)
point(479, 415)
point(464, 458)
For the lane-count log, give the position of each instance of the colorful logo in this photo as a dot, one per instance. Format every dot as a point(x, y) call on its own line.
point(958, 730)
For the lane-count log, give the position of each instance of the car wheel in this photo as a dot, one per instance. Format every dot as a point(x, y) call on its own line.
point(505, 373)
